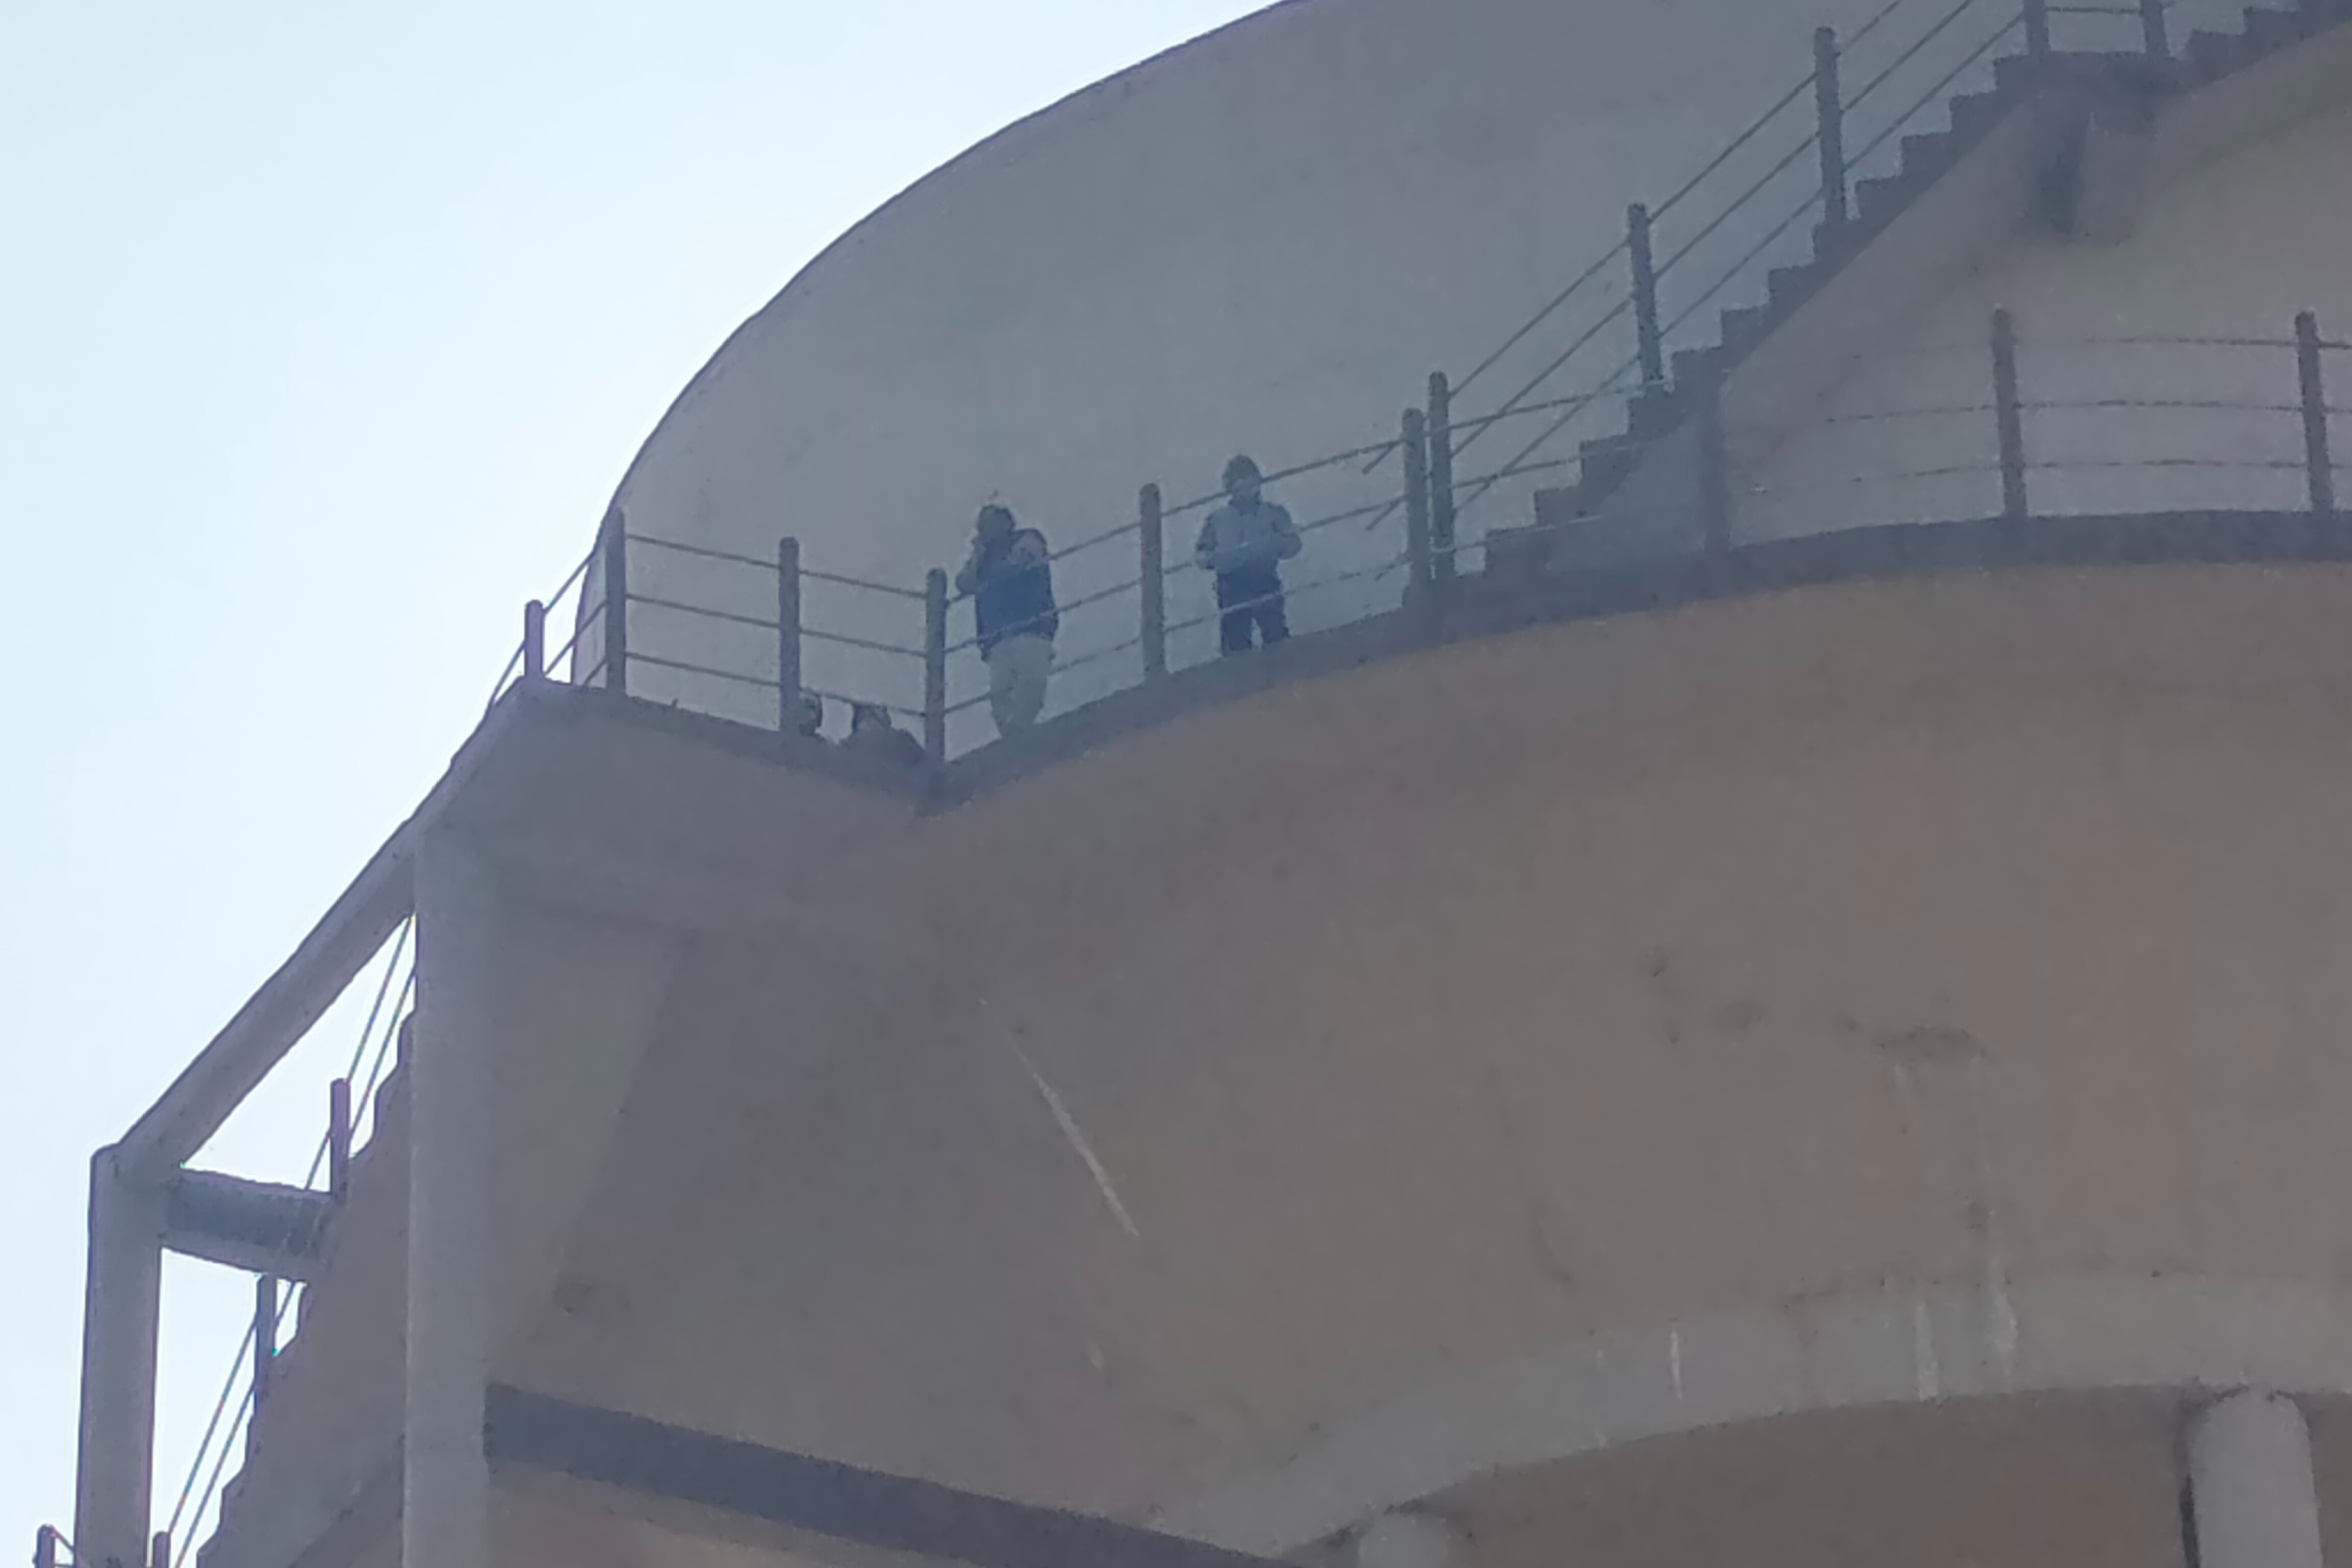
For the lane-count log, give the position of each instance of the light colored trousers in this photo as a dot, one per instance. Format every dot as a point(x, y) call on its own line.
point(1017, 670)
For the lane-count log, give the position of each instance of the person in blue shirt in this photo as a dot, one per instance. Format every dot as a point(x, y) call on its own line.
point(1244, 544)
point(1009, 577)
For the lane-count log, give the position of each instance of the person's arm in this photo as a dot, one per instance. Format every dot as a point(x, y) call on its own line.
point(966, 580)
point(1029, 549)
point(1286, 543)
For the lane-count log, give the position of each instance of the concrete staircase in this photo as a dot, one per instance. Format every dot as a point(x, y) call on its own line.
point(2063, 87)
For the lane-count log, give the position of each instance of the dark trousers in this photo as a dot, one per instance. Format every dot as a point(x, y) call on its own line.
point(1251, 596)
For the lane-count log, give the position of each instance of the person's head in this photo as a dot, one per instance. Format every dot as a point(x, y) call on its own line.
point(865, 717)
point(812, 714)
point(1243, 482)
point(995, 527)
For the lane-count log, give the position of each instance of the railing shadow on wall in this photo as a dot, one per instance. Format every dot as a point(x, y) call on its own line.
point(2054, 427)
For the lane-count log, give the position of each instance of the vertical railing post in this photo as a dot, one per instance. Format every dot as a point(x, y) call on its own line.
point(2037, 29)
point(1829, 109)
point(159, 1550)
point(2008, 416)
point(613, 548)
point(2310, 369)
point(2157, 36)
point(1440, 437)
point(534, 641)
point(1714, 469)
point(1151, 545)
point(45, 1547)
point(265, 1353)
point(1645, 296)
point(339, 1138)
point(935, 665)
point(788, 634)
point(1416, 506)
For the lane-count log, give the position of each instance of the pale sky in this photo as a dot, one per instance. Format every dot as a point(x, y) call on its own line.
point(325, 332)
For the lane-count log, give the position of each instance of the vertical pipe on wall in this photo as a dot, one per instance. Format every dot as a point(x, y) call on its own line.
point(788, 634)
point(339, 1138)
point(1440, 442)
point(1829, 110)
point(612, 554)
point(1153, 572)
point(2037, 29)
point(2311, 372)
point(264, 1355)
point(935, 665)
point(1652, 345)
point(2009, 415)
point(534, 641)
point(1416, 430)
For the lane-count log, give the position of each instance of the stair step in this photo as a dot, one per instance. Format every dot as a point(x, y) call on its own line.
point(1876, 200)
point(1832, 244)
point(1787, 285)
point(2267, 30)
point(2016, 73)
point(1744, 326)
point(1653, 411)
point(1690, 366)
point(1929, 153)
point(1974, 113)
point(1607, 464)
point(2213, 54)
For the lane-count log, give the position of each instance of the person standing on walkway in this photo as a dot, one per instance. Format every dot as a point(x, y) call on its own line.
point(1010, 580)
point(1244, 543)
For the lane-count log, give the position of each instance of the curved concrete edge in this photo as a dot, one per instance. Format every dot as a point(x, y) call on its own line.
point(1475, 607)
point(1886, 1344)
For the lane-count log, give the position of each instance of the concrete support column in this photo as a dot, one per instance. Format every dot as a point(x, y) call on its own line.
point(2249, 1477)
point(444, 1483)
point(121, 1304)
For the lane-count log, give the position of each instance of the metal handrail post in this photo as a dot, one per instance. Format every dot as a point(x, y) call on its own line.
point(45, 1547)
point(265, 1353)
point(1440, 437)
point(1416, 505)
point(2311, 373)
point(1152, 549)
point(2008, 416)
point(613, 549)
point(1829, 108)
point(339, 1138)
point(2037, 29)
point(534, 641)
point(935, 665)
point(159, 1550)
point(788, 633)
point(2153, 30)
point(1651, 342)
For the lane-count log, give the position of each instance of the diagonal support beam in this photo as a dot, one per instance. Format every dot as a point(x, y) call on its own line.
point(262, 1227)
point(823, 1501)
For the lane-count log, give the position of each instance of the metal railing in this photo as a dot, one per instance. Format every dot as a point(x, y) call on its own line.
point(2022, 427)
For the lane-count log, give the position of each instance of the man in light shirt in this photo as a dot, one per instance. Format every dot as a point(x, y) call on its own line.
point(1243, 544)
